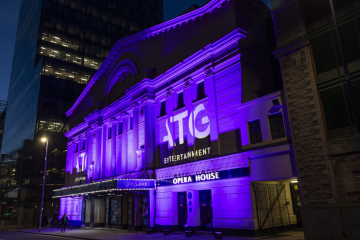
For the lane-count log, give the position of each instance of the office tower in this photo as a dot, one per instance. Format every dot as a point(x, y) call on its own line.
point(320, 64)
point(2, 119)
point(59, 46)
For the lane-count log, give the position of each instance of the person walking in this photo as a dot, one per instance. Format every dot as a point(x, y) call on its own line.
point(26, 217)
point(64, 222)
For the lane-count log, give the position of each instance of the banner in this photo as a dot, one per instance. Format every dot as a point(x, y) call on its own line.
point(131, 211)
point(115, 211)
point(145, 210)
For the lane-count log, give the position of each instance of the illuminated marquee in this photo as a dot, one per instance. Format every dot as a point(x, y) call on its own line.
point(198, 178)
point(206, 176)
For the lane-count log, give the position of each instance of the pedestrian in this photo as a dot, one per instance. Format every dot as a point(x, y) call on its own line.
point(64, 221)
point(26, 217)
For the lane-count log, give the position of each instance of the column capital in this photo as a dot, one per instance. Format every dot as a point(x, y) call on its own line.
point(124, 115)
point(169, 92)
point(209, 71)
point(110, 120)
point(188, 82)
point(89, 132)
point(147, 100)
point(135, 105)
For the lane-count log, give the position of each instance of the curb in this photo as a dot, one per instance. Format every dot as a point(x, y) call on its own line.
point(57, 235)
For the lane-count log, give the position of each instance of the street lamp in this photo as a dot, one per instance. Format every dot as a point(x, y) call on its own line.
point(42, 197)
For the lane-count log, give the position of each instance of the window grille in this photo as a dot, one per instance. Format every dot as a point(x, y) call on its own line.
point(255, 131)
point(277, 126)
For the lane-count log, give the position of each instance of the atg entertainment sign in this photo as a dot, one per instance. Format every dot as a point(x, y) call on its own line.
point(210, 176)
point(193, 130)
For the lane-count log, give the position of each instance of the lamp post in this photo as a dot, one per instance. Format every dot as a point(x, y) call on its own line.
point(42, 197)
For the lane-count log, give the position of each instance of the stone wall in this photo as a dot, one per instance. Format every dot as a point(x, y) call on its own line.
point(327, 171)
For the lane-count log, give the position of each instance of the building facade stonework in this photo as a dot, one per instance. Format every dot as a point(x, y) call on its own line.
point(326, 165)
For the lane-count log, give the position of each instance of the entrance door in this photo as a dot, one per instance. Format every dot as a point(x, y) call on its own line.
point(295, 197)
point(115, 209)
point(182, 208)
point(205, 210)
point(92, 213)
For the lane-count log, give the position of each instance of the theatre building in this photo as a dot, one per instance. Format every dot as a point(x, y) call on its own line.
point(182, 128)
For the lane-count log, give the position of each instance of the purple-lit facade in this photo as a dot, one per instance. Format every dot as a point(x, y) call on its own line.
point(181, 128)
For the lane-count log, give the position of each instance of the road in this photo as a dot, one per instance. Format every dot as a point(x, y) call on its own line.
point(100, 234)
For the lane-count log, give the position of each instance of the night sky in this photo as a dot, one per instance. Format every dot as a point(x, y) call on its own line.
point(9, 14)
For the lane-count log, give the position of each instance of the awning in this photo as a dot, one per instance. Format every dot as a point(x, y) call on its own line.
point(105, 186)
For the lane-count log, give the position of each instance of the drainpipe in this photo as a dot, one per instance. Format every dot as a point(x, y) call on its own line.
point(346, 71)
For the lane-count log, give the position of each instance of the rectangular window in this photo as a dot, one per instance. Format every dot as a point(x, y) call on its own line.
point(276, 126)
point(163, 109)
point(83, 145)
point(255, 131)
point(201, 91)
point(109, 133)
point(120, 128)
point(131, 123)
point(180, 102)
point(77, 148)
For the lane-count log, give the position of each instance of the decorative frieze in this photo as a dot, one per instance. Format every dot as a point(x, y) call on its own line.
point(214, 164)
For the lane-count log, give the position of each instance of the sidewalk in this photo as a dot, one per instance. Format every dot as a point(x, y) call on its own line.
point(98, 234)
point(17, 227)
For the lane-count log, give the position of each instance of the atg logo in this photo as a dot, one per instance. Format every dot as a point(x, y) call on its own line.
point(192, 128)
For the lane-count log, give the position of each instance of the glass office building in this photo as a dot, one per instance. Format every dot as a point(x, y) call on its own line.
point(59, 46)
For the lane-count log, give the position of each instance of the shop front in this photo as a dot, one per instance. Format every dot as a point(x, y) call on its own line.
point(115, 203)
point(224, 194)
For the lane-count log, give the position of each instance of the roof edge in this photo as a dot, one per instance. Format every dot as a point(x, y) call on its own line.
point(147, 33)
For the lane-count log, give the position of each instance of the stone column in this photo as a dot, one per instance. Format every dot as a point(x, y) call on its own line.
point(124, 143)
point(89, 164)
point(193, 210)
point(97, 160)
point(76, 155)
point(152, 209)
point(104, 171)
point(119, 150)
point(212, 112)
point(113, 148)
point(188, 100)
point(170, 118)
point(135, 138)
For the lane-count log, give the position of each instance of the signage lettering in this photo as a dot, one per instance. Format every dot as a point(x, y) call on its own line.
point(192, 128)
point(206, 176)
point(198, 178)
point(183, 156)
point(80, 179)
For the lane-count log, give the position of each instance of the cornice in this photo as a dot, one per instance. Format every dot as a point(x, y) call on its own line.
point(129, 41)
